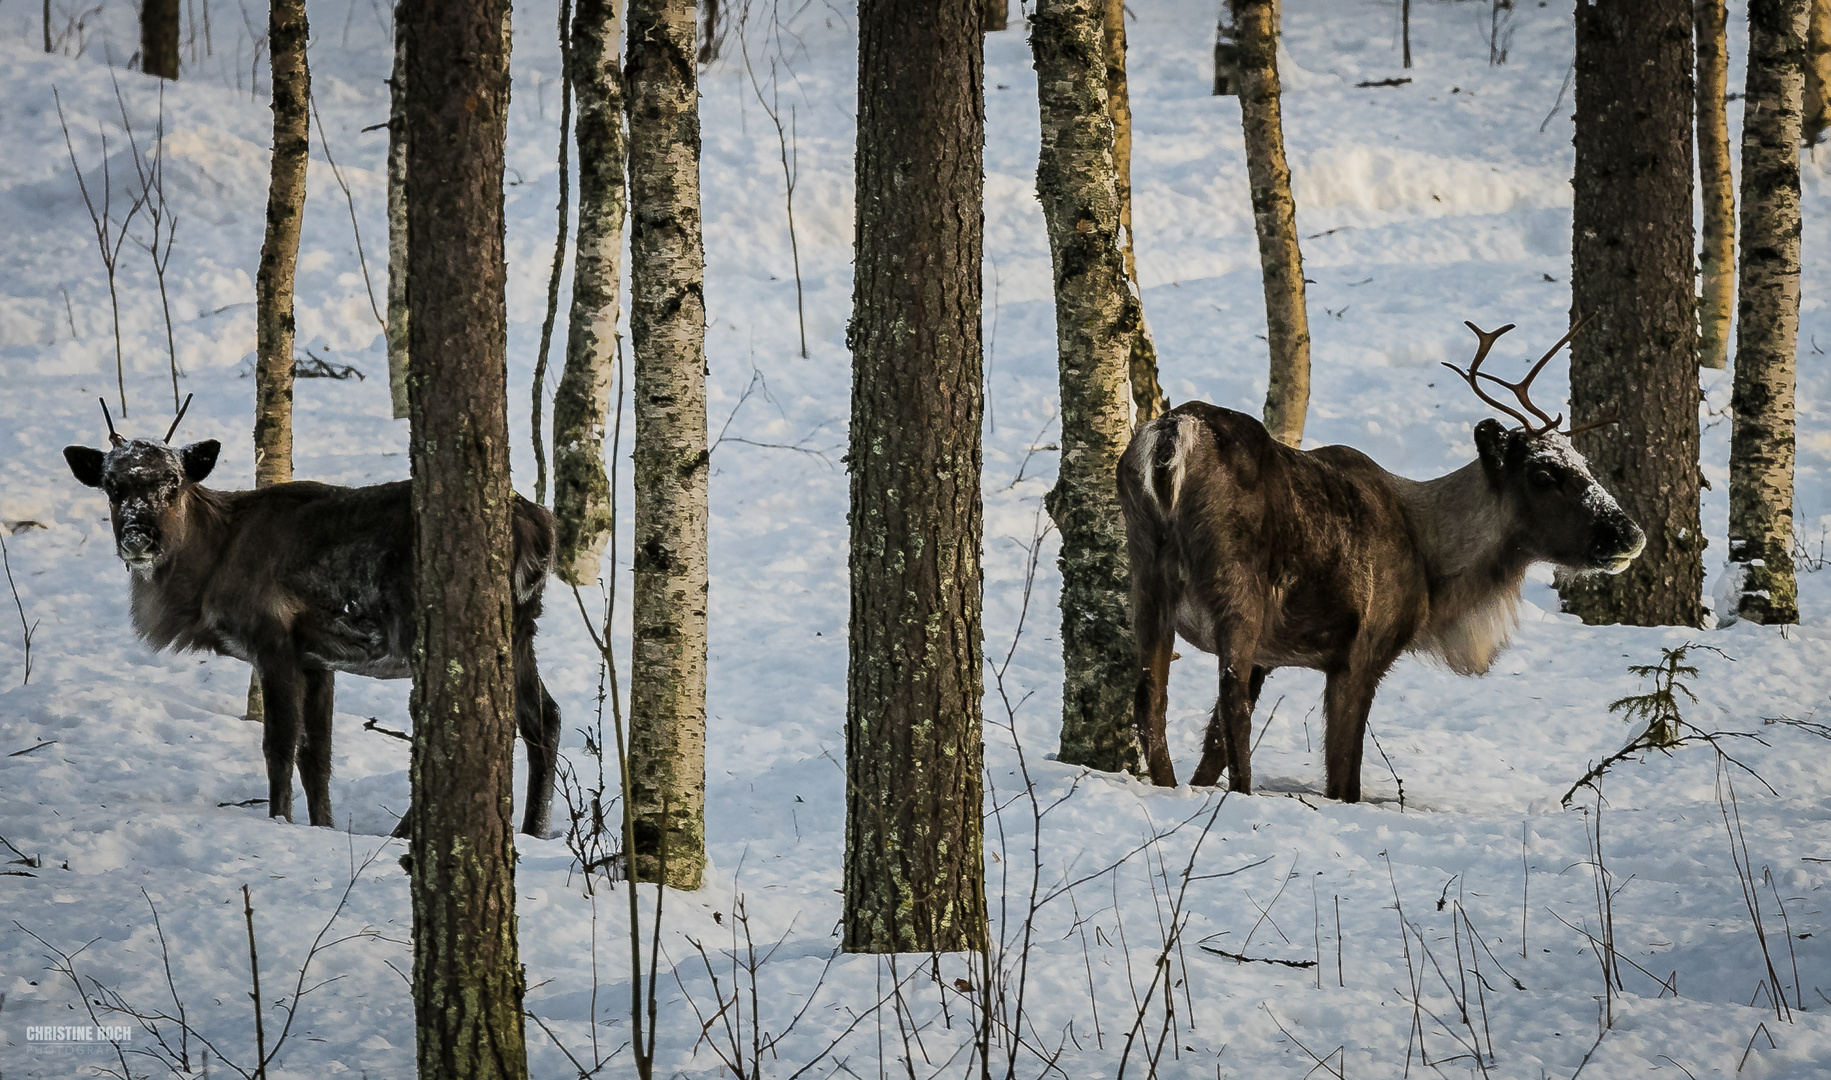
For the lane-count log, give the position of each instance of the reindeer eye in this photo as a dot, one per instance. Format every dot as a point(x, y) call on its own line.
point(1543, 478)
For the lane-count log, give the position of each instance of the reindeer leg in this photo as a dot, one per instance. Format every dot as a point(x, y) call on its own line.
point(282, 694)
point(315, 745)
point(1155, 640)
point(537, 715)
point(1346, 702)
point(1228, 743)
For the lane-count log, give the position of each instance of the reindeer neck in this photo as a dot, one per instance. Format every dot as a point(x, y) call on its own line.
point(166, 603)
point(1472, 562)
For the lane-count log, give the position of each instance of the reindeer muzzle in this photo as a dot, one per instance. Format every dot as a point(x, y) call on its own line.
point(1614, 543)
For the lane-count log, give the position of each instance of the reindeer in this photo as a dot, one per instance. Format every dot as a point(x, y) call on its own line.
point(302, 580)
point(1270, 557)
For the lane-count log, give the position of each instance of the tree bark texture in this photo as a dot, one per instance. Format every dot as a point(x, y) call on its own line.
point(159, 37)
point(1818, 74)
point(287, 34)
point(467, 977)
point(1718, 258)
point(1147, 394)
point(997, 15)
point(914, 863)
point(397, 233)
point(1767, 324)
point(1096, 325)
point(1632, 272)
point(1274, 216)
point(668, 332)
point(582, 402)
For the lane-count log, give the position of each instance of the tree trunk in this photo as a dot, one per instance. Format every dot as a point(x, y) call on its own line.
point(1818, 73)
point(914, 862)
point(1147, 395)
point(159, 35)
point(581, 404)
point(1718, 259)
point(1227, 77)
point(1632, 271)
point(288, 34)
point(1096, 324)
point(997, 15)
point(467, 976)
point(1767, 327)
point(1274, 216)
point(397, 231)
point(668, 331)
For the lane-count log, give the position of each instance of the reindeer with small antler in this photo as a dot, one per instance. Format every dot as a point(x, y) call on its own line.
point(302, 580)
point(1269, 556)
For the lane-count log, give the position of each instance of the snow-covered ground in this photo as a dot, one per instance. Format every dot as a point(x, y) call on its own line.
point(1421, 205)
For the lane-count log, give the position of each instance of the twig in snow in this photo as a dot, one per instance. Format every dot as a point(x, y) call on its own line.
point(108, 236)
point(26, 630)
point(789, 147)
point(164, 222)
point(559, 247)
point(349, 199)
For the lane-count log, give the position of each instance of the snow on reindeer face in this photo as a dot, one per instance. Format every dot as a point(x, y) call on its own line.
point(1570, 519)
point(147, 484)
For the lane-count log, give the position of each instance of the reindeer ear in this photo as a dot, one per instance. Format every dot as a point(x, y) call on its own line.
point(199, 458)
point(1492, 442)
point(85, 464)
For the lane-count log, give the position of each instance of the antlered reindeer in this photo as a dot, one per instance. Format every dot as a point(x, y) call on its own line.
point(1273, 557)
point(302, 580)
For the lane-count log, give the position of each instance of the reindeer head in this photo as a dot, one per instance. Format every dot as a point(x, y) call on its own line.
point(147, 484)
point(1564, 516)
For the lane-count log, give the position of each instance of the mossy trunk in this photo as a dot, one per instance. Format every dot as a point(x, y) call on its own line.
point(397, 234)
point(914, 860)
point(1096, 325)
point(1767, 324)
point(582, 402)
point(668, 334)
point(467, 977)
point(1717, 261)
point(1274, 217)
point(1147, 395)
point(288, 33)
point(1633, 261)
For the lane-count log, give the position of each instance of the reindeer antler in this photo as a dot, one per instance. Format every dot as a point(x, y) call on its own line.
point(169, 432)
point(114, 439)
point(1522, 388)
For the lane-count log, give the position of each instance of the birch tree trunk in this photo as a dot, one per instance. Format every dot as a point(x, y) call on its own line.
point(467, 977)
point(287, 33)
point(1096, 325)
point(668, 332)
point(1633, 269)
point(1147, 394)
point(159, 38)
point(1818, 73)
point(914, 861)
point(1767, 327)
point(581, 403)
point(1274, 215)
point(397, 230)
point(1718, 258)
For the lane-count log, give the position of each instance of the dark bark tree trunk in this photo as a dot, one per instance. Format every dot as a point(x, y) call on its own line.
point(287, 34)
point(1632, 260)
point(1096, 324)
point(997, 15)
point(581, 404)
point(1718, 184)
point(668, 332)
point(159, 36)
point(1147, 393)
point(914, 864)
point(467, 977)
point(1274, 216)
point(397, 233)
point(1767, 324)
point(1227, 52)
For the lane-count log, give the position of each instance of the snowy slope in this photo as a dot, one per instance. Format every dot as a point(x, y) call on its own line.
point(1422, 205)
